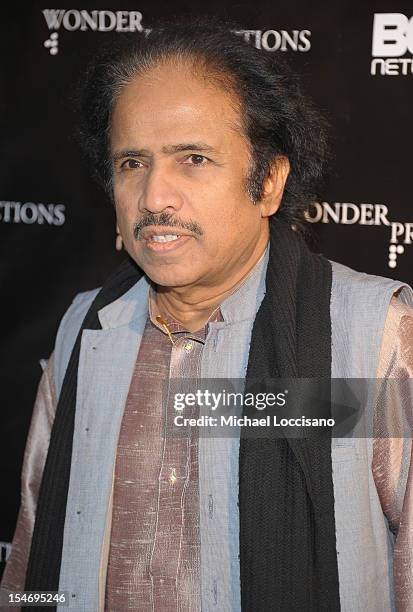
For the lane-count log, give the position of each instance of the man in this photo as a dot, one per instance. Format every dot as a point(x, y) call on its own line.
point(211, 155)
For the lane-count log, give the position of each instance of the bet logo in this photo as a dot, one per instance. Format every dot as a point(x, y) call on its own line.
point(392, 35)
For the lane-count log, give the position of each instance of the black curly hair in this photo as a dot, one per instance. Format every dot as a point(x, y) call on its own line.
point(276, 117)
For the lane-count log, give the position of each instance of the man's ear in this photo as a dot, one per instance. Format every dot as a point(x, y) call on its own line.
point(273, 187)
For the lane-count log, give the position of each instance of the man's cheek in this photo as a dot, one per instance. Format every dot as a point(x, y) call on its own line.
point(126, 212)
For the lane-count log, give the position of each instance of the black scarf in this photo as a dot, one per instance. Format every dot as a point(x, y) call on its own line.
point(288, 556)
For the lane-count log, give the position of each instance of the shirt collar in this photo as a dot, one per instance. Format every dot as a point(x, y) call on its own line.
point(244, 302)
point(174, 326)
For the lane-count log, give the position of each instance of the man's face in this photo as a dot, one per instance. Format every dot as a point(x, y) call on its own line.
point(180, 168)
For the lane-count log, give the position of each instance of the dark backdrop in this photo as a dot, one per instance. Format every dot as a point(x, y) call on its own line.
point(57, 229)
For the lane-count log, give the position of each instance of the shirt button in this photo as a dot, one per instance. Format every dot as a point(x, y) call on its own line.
point(188, 346)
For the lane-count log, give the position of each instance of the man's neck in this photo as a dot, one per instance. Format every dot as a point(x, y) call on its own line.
point(194, 313)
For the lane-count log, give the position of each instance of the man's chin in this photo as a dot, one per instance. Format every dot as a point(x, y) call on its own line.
point(168, 278)
point(170, 273)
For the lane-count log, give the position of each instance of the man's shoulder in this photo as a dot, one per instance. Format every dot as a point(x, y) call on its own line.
point(348, 276)
point(68, 330)
point(351, 287)
point(74, 315)
point(81, 303)
point(360, 305)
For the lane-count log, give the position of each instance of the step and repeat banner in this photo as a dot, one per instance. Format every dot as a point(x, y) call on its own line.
point(57, 229)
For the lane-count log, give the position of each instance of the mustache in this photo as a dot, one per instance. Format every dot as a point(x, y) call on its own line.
point(168, 220)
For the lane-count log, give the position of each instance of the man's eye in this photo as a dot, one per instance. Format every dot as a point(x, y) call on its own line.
point(196, 160)
point(131, 164)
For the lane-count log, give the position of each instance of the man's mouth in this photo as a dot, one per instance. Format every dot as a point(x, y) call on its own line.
point(165, 237)
point(160, 234)
point(163, 240)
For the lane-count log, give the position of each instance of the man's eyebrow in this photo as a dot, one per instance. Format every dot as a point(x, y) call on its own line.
point(130, 153)
point(190, 146)
point(167, 150)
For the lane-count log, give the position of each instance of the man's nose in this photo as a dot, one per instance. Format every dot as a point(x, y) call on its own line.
point(160, 192)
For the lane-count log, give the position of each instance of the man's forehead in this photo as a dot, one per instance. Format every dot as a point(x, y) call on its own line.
point(170, 131)
point(164, 90)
